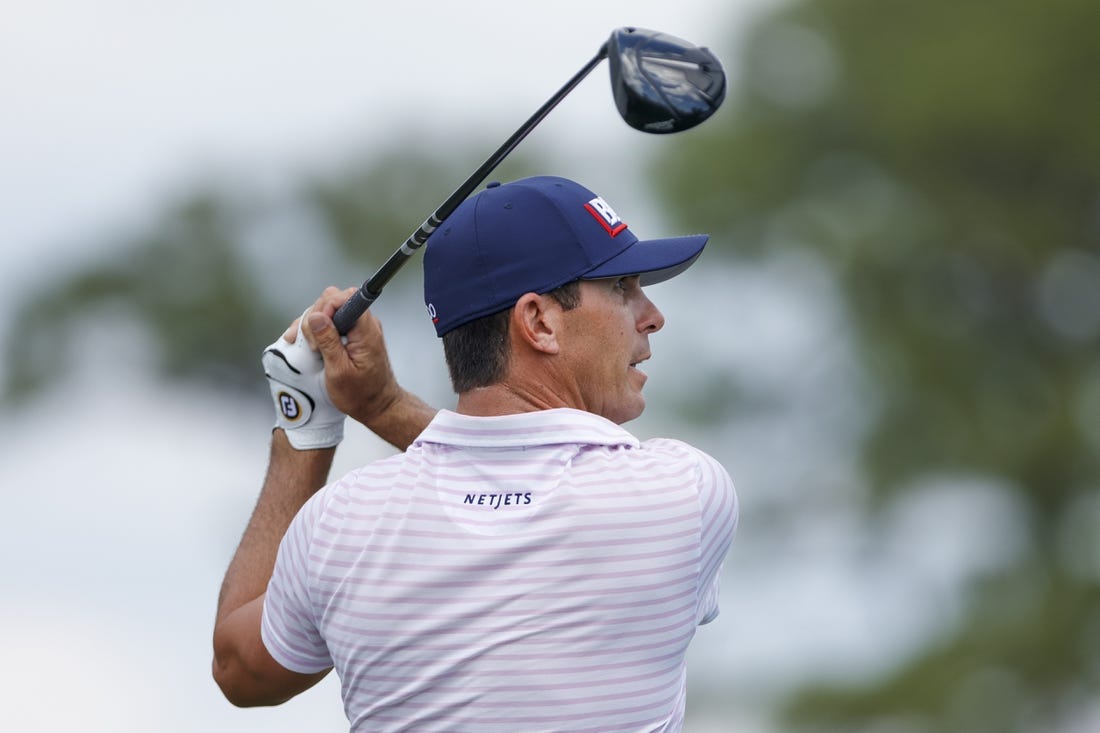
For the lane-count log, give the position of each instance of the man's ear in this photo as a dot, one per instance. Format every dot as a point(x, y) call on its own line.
point(536, 322)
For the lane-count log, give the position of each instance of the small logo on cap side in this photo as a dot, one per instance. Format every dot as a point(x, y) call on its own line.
point(605, 215)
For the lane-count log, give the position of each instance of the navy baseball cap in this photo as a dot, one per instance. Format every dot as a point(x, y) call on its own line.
point(532, 236)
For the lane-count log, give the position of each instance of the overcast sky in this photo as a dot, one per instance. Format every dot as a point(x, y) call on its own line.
point(109, 105)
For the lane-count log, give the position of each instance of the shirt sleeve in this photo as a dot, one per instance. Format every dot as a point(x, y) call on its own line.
point(720, 511)
point(289, 628)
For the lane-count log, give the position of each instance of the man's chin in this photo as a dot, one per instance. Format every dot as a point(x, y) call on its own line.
point(628, 412)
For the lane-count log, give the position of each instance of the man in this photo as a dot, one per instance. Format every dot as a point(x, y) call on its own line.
point(526, 563)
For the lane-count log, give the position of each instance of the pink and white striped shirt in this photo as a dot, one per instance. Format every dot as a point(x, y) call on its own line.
point(534, 572)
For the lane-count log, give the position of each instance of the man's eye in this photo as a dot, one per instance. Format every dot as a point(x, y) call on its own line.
point(630, 282)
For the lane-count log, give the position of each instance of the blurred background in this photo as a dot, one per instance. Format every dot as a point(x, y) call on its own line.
point(892, 343)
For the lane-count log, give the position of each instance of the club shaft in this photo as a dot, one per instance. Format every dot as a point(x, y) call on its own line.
point(369, 291)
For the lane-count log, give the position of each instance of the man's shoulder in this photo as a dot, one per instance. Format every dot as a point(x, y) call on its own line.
point(710, 470)
point(677, 447)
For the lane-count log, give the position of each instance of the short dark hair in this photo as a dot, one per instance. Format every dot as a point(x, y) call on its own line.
point(477, 352)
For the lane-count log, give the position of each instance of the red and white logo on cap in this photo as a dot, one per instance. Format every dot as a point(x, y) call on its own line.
point(605, 215)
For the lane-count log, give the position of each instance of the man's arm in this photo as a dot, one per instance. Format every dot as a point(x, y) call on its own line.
point(243, 668)
point(361, 384)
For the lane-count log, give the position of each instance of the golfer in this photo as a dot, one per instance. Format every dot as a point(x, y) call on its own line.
point(525, 563)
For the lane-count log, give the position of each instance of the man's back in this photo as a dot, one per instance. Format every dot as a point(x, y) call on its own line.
point(541, 571)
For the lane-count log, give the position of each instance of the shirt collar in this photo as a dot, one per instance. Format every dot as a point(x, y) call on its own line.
point(543, 427)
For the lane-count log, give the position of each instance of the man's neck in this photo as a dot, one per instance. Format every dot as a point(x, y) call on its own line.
point(504, 398)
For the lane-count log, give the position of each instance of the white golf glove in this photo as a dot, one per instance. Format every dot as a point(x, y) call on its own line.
point(296, 375)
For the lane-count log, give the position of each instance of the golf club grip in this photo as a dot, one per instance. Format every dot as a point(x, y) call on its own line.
point(357, 305)
point(353, 307)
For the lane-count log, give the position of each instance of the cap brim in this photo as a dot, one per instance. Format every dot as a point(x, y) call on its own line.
point(656, 260)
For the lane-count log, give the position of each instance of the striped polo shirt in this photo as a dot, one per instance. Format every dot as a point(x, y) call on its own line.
point(534, 572)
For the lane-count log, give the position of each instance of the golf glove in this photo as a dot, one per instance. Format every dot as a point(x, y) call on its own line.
point(296, 376)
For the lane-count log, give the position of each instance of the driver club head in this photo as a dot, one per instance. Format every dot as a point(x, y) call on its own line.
point(662, 83)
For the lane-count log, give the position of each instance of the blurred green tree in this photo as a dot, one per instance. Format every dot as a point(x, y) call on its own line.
point(941, 159)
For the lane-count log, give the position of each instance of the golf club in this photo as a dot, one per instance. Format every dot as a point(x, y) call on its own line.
point(661, 84)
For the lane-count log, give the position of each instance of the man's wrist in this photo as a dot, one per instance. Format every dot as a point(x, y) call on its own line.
point(285, 452)
point(379, 406)
point(315, 437)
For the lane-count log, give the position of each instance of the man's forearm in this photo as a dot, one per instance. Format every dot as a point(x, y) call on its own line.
point(293, 476)
point(402, 421)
